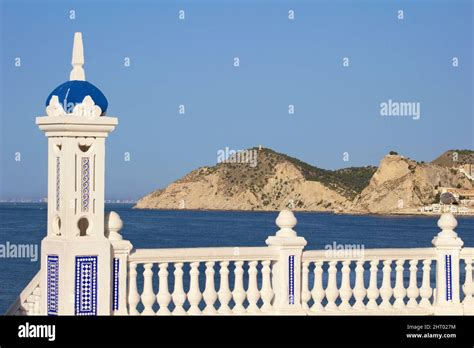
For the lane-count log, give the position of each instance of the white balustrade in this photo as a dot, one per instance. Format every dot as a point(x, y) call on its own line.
point(385, 281)
point(258, 297)
point(29, 301)
point(377, 298)
point(210, 300)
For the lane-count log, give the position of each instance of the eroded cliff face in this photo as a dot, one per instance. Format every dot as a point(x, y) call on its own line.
point(278, 181)
point(275, 183)
point(401, 184)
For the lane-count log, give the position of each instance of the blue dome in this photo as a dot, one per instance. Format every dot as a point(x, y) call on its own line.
point(71, 93)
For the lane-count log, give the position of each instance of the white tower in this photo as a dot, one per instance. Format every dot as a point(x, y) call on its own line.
point(75, 254)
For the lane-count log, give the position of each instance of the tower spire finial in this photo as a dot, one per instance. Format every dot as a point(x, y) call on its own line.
point(77, 72)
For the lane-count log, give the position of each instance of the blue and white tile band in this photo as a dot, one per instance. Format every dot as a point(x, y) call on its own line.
point(86, 285)
point(449, 279)
point(115, 294)
point(291, 280)
point(52, 284)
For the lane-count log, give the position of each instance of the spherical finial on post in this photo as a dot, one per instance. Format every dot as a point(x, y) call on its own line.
point(447, 222)
point(286, 221)
point(77, 72)
point(447, 237)
point(113, 224)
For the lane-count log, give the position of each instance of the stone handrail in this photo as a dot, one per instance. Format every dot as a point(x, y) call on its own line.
point(28, 303)
point(203, 254)
point(466, 253)
point(370, 254)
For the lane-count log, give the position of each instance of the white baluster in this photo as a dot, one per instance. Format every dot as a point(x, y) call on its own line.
point(133, 296)
point(467, 287)
point(318, 292)
point(30, 305)
point(239, 292)
point(37, 307)
point(164, 296)
point(399, 291)
point(210, 294)
point(305, 293)
point(413, 292)
point(194, 294)
point(253, 295)
point(359, 289)
point(179, 296)
point(266, 291)
point(224, 293)
point(148, 296)
point(425, 290)
point(37, 295)
point(386, 290)
point(332, 292)
point(345, 292)
point(373, 290)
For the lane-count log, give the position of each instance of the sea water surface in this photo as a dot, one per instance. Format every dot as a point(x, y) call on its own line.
point(24, 223)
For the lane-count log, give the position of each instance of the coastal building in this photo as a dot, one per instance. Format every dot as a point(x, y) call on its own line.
point(87, 268)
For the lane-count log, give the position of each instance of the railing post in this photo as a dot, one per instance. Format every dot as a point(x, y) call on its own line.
point(286, 272)
point(448, 246)
point(119, 263)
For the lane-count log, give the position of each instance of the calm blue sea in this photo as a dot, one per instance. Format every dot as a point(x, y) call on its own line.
point(26, 223)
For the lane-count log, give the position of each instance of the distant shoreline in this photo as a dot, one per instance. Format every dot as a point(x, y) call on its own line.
point(348, 213)
point(312, 211)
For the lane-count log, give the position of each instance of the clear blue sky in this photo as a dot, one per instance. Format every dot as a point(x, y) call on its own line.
point(283, 62)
